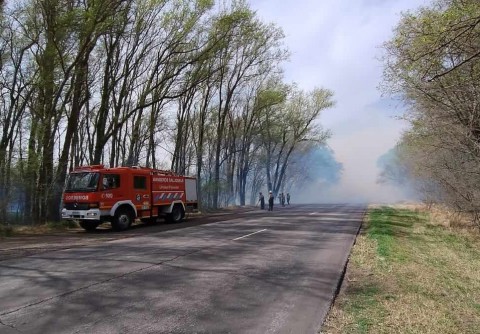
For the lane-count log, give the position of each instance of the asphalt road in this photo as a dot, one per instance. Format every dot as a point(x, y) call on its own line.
point(258, 272)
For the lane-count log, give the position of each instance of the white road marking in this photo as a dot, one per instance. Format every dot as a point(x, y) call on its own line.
point(313, 213)
point(249, 234)
point(340, 219)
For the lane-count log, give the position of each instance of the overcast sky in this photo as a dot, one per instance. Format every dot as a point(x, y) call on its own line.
point(336, 44)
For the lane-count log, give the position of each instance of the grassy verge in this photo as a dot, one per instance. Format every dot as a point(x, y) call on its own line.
point(408, 275)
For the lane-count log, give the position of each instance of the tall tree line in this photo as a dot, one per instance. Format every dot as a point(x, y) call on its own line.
point(191, 86)
point(433, 62)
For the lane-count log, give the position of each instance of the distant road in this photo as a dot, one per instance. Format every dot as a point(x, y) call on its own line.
point(255, 272)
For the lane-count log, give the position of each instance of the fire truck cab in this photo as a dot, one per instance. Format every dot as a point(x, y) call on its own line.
point(95, 194)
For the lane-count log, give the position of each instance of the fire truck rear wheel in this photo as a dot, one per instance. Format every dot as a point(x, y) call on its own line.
point(123, 219)
point(88, 226)
point(176, 215)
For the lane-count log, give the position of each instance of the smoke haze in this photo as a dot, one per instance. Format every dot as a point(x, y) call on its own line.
point(335, 44)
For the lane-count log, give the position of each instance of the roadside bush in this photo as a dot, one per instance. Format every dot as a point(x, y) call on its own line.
point(62, 225)
point(6, 231)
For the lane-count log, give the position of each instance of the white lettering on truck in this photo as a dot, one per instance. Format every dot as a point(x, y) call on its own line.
point(168, 179)
point(76, 198)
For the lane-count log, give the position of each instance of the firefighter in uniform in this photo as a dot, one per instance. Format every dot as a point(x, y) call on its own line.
point(261, 199)
point(270, 201)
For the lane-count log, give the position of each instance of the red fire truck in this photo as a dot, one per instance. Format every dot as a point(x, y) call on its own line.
point(95, 194)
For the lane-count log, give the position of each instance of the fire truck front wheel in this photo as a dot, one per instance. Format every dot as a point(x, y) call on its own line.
point(123, 219)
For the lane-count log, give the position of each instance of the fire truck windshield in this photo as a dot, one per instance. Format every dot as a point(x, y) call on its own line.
point(82, 182)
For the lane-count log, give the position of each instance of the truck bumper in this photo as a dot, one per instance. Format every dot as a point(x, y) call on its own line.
point(92, 214)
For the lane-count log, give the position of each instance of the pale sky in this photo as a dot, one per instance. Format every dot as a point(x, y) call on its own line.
point(335, 44)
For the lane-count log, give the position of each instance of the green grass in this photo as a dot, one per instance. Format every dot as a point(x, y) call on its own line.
point(407, 275)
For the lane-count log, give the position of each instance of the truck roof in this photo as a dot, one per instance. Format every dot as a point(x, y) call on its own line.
point(101, 168)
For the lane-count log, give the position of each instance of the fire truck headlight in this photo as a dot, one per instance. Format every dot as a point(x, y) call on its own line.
point(91, 214)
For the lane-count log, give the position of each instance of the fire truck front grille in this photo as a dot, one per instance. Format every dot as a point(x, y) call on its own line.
point(76, 206)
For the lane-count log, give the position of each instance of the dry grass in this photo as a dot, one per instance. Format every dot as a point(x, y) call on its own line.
point(410, 273)
point(48, 228)
point(459, 222)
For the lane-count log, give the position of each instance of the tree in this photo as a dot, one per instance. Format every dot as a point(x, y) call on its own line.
point(286, 126)
point(17, 89)
point(249, 49)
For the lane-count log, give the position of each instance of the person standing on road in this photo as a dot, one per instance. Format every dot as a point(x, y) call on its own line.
point(283, 199)
point(270, 201)
point(261, 199)
point(288, 198)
